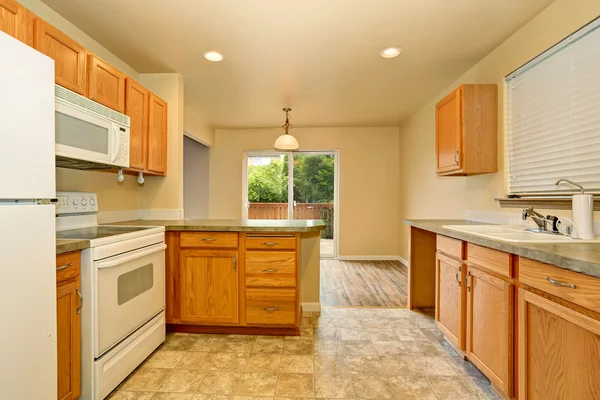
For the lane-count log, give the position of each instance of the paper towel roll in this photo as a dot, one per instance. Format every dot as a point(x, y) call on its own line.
point(583, 215)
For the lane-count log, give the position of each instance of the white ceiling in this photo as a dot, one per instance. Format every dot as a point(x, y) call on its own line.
point(319, 57)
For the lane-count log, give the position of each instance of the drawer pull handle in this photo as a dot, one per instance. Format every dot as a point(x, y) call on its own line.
point(270, 308)
point(558, 283)
point(80, 301)
point(467, 281)
point(64, 266)
point(457, 273)
point(270, 270)
point(270, 243)
point(209, 239)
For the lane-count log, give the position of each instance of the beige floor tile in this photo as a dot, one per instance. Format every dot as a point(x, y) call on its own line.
point(382, 334)
point(334, 386)
point(433, 334)
point(464, 367)
point(297, 364)
point(421, 348)
point(180, 343)
point(172, 396)
point(444, 348)
point(450, 388)
point(211, 397)
point(238, 345)
point(326, 333)
point(257, 384)
point(346, 322)
point(434, 366)
point(481, 387)
point(393, 313)
point(410, 334)
point(385, 348)
point(402, 323)
point(354, 334)
point(209, 343)
point(164, 359)
point(306, 333)
point(371, 387)
point(423, 322)
point(146, 379)
point(399, 365)
point(197, 360)
point(328, 347)
point(182, 381)
point(263, 362)
point(364, 365)
point(301, 347)
point(330, 365)
point(230, 361)
point(253, 398)
point(268, 346)
point(127, 395)
point(326, 322)
point(295, 385)
point(358, 348)
point(378, 322)
point(411, 388)
point(219, 382)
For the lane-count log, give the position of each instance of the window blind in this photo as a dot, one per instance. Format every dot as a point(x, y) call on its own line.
point(553, 117)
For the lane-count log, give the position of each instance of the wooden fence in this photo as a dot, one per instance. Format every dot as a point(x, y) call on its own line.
point(301, 211)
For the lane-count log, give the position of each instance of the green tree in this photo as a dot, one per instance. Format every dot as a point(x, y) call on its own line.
point(268, 183)
point(313, 178)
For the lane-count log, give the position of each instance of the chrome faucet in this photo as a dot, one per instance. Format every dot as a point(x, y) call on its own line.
point(541, 221)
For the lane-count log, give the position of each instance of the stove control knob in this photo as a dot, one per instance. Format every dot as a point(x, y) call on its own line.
point(75, 202)
point(83, 202)
point(92, 202)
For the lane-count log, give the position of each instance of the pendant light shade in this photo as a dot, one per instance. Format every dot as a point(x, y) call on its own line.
point(286, 141)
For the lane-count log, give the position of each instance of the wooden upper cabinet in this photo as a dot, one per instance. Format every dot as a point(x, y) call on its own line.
point(466, 131)
point(16, 21)
point(157, 135)
point(450, 299)
point(136, 107)
point(106, 84)
point(68, 55)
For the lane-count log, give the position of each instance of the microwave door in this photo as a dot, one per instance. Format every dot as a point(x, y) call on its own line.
point(84, 136)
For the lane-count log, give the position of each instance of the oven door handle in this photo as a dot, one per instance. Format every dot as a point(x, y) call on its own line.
point(118, 260)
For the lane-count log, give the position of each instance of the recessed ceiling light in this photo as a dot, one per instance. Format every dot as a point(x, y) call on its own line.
point(213, 56)
point(390, 52)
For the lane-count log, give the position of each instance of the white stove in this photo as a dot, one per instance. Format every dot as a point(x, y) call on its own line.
point(123, 286)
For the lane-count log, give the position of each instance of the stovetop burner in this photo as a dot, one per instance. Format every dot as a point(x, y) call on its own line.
point(98, 232)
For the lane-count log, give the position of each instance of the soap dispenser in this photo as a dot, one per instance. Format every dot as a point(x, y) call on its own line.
point(583, 212)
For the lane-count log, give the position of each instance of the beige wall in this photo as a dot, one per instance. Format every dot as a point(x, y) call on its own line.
point(368, 180)
point(424, 195)
point(197, 129)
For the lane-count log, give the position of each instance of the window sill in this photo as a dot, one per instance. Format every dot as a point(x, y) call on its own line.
point(549, 203)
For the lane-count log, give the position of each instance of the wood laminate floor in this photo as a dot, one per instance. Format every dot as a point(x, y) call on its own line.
point(363, 283)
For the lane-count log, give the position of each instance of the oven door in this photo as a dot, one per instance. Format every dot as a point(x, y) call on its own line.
point(130, 290)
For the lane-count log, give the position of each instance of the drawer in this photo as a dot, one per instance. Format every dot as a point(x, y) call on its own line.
point(450, 247)
point(271, 306)
point(271, 268)
point(583, 290)
point(68, 266)
point(270, 242)
point(209, 239)
point(490, 259)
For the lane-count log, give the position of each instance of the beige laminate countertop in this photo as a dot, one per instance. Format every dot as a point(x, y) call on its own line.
point(578, 257)
point(233, 225)
point(67, 245)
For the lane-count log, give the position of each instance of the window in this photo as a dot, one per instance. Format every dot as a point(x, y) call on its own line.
point(553, 117)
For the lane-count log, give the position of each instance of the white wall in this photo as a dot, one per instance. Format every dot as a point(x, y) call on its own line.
point(196, 159)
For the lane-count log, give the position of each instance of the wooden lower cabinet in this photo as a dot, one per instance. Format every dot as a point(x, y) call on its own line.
point(68, 326)
point(490, 327)
point(559, 351)
point(450, 299)
point(270, 306)
point(209, 286)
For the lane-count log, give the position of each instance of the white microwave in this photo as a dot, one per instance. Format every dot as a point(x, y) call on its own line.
point(89, 135)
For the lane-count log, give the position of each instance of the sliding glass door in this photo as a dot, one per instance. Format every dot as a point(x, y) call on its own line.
point(298, 185)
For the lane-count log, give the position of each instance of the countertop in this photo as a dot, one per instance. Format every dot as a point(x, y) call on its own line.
point(67, 245)
point(578, 257)
point(232, 225)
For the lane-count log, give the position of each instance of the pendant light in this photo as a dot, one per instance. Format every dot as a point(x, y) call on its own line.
point(286, 141)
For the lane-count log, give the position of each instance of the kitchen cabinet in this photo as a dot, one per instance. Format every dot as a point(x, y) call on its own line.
point(450, 299)
point(559, 350)
point(70, 57)
point(136, 107)
point(490, 327)
point(16, 21)
point(466, 131)
point(68, 325)
point(209, 286)
point(106, 84)
point(157, 135)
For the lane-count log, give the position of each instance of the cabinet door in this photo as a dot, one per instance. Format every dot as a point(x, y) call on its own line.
point(136, 107)
point(106, 84)
point(157, 135)
point(209, 287)
point(68, 55)
point(16, 21)
point(559, 351)
point(68, 340)
point(490, 327)
point(450, 300)
point(449, 133)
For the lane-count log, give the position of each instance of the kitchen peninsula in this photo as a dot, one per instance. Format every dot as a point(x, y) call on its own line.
point(240, 276)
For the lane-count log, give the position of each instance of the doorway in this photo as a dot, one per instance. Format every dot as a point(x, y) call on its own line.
point(294, 185)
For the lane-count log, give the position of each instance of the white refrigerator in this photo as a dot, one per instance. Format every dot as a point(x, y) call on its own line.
point(27, 234)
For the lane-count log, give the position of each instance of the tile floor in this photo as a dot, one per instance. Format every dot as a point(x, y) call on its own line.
point(343, 353)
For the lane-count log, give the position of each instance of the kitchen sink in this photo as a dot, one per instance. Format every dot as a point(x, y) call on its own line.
point(516, 234)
